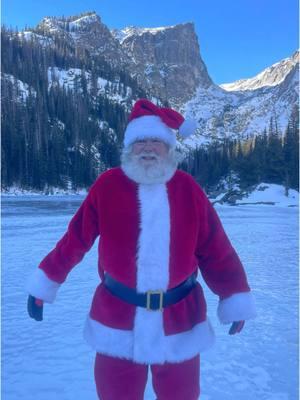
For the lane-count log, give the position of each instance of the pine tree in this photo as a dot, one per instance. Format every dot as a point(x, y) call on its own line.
point(291, 152)
point(275, 165)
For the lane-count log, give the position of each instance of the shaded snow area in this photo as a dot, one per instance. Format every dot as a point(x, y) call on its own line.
point(50, 360)
point(20, 89)
point(32, 36)
point(72, 79)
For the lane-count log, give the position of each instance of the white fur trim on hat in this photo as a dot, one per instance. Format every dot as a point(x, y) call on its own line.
point(146, 127)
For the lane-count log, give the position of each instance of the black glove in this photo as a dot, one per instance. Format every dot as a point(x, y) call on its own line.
point(236, 327)
point(35, 308)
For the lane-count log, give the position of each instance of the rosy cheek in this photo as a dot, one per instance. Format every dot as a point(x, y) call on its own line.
point(162, 152)
point(136, 150)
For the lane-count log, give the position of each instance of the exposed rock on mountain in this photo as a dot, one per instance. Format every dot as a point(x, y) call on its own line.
point(86, 32)
point(167, 60)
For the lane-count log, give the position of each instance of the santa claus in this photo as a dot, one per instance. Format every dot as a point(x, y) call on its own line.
point(157, 230)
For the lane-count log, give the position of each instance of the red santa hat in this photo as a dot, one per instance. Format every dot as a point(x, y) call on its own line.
point(150, 121)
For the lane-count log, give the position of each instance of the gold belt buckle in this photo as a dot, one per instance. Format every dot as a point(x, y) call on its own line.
point(149, 294)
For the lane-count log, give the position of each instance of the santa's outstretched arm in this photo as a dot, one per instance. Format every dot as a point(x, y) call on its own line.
point(69, 251)
point(222, 269)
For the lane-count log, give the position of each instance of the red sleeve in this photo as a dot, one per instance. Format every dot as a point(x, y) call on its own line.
point(79, 238)
point(219, 264)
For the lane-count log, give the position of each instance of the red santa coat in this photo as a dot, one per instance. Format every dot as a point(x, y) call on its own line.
point(152, 237)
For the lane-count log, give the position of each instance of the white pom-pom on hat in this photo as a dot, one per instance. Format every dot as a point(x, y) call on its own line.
point(148, 120)
point(187, 128)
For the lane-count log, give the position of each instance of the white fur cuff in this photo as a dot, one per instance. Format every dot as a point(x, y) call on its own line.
point(41, 287)
point(238, 307)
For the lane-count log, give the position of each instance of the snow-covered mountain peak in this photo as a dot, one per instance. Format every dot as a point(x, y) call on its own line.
point(78, 22)
point(84, 20)
point(271, 76)
point(123, 34)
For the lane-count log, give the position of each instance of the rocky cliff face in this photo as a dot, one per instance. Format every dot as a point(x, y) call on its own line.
point(166, 60)
point(86, 32)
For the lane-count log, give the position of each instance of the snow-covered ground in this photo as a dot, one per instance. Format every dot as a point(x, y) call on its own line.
point(50, 360)
point(264, 193)
point(53, 191)
point(272, 193)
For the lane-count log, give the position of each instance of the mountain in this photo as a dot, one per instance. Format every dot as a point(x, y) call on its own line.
point(167, 64)
point(165, 61)
point(271, 76)
point(85, 32)
point(244, 109)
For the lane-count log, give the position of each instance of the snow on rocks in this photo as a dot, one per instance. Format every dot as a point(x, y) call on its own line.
point(82, 21)
point(22, 89)
point(49, 191)
point(261, 194)
point(245, 108)
point(123, 34)
point(270, 76)
point(72, 79)
point(32, 36)
point(266, 193)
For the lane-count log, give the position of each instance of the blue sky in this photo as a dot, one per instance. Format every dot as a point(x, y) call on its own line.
point(238, 38)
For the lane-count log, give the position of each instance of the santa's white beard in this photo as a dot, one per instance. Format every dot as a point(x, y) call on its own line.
point(160, 170)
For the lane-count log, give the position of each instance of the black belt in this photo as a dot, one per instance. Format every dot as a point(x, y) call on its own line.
point(152, 299)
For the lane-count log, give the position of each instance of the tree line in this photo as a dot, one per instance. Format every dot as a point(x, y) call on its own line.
point(270, 157)
point(57, 136)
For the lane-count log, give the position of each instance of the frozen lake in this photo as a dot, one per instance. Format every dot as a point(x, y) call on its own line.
point(50, 360)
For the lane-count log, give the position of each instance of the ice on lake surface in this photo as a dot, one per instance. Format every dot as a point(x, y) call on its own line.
point(50, 360)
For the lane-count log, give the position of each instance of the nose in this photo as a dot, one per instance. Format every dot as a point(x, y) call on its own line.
point(148, 146)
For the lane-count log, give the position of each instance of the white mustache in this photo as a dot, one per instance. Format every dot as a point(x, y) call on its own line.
point(148, 154)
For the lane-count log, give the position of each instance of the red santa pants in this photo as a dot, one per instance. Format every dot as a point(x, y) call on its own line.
point(119, 379)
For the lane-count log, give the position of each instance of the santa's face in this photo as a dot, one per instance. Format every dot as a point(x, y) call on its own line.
point(149, 161)
point(149, 152)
